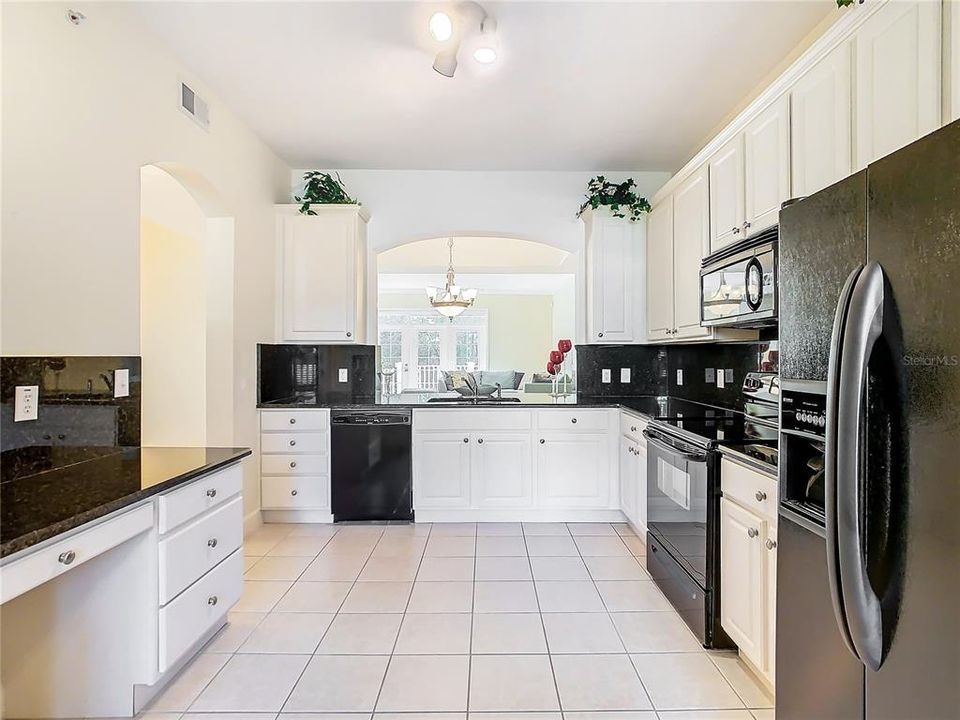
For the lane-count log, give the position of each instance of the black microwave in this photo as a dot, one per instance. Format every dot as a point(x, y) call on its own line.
point(738, 285)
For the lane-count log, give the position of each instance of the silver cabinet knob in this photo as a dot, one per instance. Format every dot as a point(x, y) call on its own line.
point(752, 532)
point(480, 441)
point(293, 421)
point(212, 542)
point(67, 557)
point(771, 544)
point(212, 600)
point(746, 225)
point(293, 492)
point(293, 463)
point(736, 231)
point(542, 441)
point(293, 443)
point(760, 496)
point(212, 493)
point(349, 334)
point(573, 420)
point(599, 334)
point(633, 428)
point(466, 440)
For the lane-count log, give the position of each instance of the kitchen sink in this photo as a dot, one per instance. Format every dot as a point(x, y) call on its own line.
point(478, 400)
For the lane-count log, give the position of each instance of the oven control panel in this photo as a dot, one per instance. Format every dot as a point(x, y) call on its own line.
point(804, 412)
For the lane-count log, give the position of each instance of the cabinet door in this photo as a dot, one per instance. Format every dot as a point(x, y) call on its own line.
point(726, 194)
point(441, 470)
point(611, 278)
point(501, 470)
point(766, 143)
point(742, 593)
point(660, 271)
point(640, 459)
point(898, 77)
point(691, 239)
point(319, 278)
point(821, 106)
point(628, 486)
point(573, 470)
point(770, 605)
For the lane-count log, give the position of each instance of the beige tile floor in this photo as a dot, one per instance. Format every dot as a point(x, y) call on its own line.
point(545, 621)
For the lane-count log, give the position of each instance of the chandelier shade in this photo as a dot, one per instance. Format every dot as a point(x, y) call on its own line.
point(451, 300)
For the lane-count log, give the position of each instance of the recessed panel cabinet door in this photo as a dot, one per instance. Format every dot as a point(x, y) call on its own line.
point(770, 608)
point(691, 239)
point(766, 166)
point(821, 106)
point(611, 248)
point(898, 77)
point(660, 270)
point(742, 593)
point(502, 470)
point(726, 194)
point(441, 470)
point(573, 470)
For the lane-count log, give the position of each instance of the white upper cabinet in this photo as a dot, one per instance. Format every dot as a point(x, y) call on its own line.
point(766, 166)
point(726, 194)
point(611, 246)
point(322, 273)
point(898, 58)
point(691, 242)
point(821, 116)
point(660, 271)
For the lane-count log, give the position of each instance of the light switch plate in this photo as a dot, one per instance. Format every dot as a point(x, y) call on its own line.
point(121, 383)
point(342, 375)
point(26, 399)
point(606, 375)
point(624, 375)
point(679, 377)
point(720, 382)
point(710, 376)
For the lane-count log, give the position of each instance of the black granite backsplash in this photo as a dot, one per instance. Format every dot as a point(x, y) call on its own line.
point(310, 373)
point(653, 369)
point(78, 418)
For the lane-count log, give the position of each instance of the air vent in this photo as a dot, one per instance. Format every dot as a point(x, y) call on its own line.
point(194, 106)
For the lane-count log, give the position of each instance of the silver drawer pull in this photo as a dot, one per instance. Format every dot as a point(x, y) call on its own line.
point(67, 557)
point(480, 441)
point(752, 532)
point(573, 420)
point(212, 600)
point(466, 440)
point(771, 544)
point(542, 441)
point(212, 542)
point(293, 443)
point(633, 428)
point(293, 463)
point(293, 492)
point(760, 496)
point(212, 493)
point(293, 421)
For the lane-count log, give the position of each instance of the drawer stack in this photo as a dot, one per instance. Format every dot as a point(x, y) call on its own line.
point(295, 459)
point(200, 564)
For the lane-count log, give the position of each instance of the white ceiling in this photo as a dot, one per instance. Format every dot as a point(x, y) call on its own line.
point(578, 86)
point(473, 254)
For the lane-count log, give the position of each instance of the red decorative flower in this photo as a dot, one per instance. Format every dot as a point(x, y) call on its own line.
point(556, 357)
point(565, 346)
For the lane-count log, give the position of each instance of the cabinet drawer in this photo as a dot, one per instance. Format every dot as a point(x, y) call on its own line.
point(573, 419)
point(179, 506)
point(750, 488)
point(191, 551)
point(632, 427)
point(294, 420)
point(199, 608)
point(288, 464)
point(295, 492)
point(295, 442)
point(473, 419)
point(22, 575)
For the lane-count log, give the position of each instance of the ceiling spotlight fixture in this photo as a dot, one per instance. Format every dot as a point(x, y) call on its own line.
point(441, 26)
point(485, 51)
point(446, 61)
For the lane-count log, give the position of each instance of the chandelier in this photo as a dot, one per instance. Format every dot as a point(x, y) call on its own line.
point(451, 300)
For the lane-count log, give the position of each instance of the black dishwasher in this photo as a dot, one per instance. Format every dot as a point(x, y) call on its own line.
point(370, 465)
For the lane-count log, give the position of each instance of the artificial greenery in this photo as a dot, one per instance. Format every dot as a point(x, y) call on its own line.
point(620, 198)
point(323, 189)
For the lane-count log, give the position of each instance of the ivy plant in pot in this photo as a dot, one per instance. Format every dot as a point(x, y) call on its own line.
point(621, 198)
point(322, 188)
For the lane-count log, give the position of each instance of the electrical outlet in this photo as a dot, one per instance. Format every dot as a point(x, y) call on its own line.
point(624, 375)
point(710, 376)
point(605, 375)
point(728, 376)
point(26, 398)
point(121, 383)
point(720, 378)
point(679, 376)
point(342, 375)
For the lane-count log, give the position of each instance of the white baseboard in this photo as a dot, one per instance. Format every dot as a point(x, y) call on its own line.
point(522, 515)
point(296, 516)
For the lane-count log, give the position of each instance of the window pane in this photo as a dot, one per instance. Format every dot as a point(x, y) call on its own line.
point(390, 348)
point(468, 350)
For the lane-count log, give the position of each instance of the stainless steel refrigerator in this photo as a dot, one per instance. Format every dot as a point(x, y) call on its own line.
point(868, 575)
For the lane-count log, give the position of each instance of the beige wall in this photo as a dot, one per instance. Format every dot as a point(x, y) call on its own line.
point(520, 332)
point(84, 108)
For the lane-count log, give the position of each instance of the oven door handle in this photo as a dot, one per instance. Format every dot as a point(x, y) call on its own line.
point(667, 448)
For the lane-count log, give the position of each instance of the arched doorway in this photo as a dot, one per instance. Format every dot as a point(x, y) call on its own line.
point(186, 309)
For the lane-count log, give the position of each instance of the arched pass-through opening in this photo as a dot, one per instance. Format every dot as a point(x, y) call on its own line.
point(186, 309)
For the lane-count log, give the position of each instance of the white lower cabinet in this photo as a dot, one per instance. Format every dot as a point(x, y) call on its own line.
point(748, 564)
point(295, 461)
point(633, 481)
point(573, 469)
point(501, 470)
point(441, 470)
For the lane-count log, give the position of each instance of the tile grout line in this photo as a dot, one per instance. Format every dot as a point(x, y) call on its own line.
point(543, 626)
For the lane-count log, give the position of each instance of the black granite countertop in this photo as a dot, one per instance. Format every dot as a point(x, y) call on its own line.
point(48, 491)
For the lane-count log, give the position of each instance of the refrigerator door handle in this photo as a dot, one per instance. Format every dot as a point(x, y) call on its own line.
point(834, 382)
point(864, 327)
